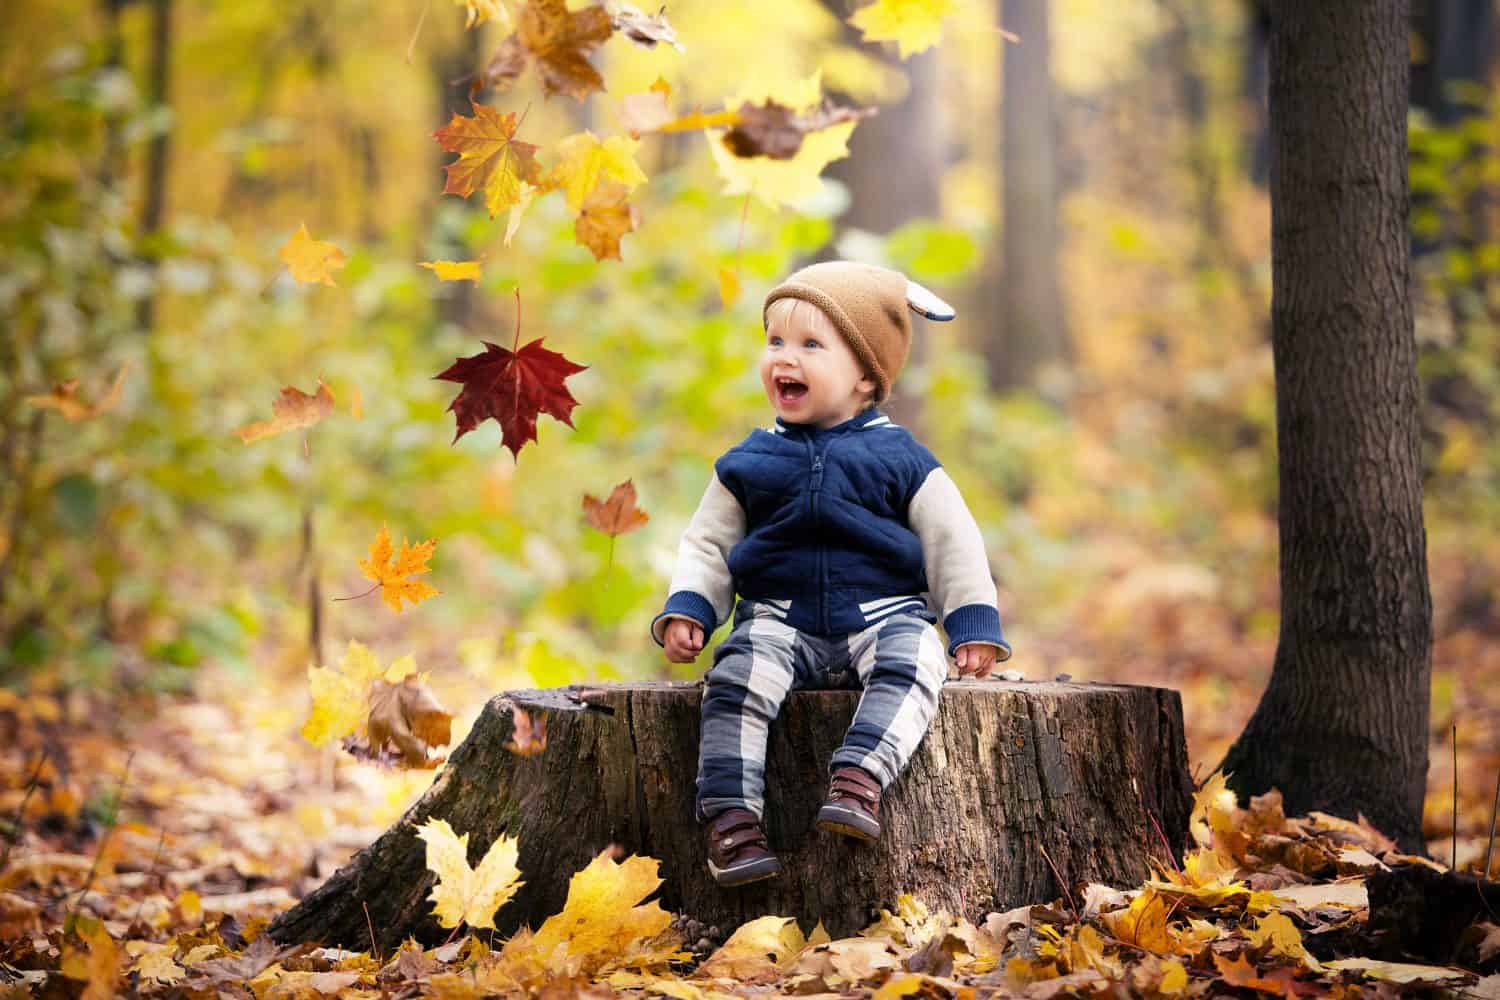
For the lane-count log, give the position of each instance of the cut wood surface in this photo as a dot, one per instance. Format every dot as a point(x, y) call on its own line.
point(1014, 785)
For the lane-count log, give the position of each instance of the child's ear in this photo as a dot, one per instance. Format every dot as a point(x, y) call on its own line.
point(866, 385)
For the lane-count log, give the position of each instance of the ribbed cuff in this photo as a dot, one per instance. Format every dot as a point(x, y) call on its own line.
point(975, 623)
point(685, 604)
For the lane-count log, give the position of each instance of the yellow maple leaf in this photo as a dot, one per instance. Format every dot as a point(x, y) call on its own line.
point(604, 220)
point(391, 574)
point(604, 918)
point(782, 182)
point(490, 157)
point(1276, 932)
point(292, 409)
point(154, 961)
point(729, 287)
point(584, 163)
point(1215, 809)
point(310, 260)
point(755, 950)
point(463, 894)
point(453, 270)
point(339, 693)
point(914, 25)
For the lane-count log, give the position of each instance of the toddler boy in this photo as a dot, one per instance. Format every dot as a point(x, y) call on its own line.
point(834, 527)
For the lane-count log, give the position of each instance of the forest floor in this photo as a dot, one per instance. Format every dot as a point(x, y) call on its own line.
point(149, 838)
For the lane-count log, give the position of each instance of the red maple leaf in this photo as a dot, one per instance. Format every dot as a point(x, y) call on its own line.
point(513, 387)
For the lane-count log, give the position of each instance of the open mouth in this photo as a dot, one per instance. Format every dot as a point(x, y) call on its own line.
point(790, 390)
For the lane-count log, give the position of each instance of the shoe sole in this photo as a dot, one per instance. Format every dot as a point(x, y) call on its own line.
point(754, 871)
point(849, 822)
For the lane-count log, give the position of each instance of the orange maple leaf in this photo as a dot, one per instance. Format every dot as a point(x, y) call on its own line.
point(310, 260)
point(292, 409)
point(391, 574)
point(65, 400)
point(490, 157)
point(618, 514)
point(605, 219)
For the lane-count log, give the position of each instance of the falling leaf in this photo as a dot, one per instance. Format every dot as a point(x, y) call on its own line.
point(781, 182)
point(453, 270)
point(490, 158)
point(391, 574)
point(776, 131)
point(405, 715)
point(644, 29)
point(310, 260)
point(617, 515)
point(65, 400)
point(528, 735)
point(649, 112)
point(512, 388)
point(463, 894)
point(729, 287)
point(356, 403)
point(527, 196)
point(558, 41)
point(339, 693)
point(914, 25)
point(291, 410)
point(605, 219)
point(584, 163)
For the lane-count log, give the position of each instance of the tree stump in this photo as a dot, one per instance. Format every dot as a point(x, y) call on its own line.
point(1015, 786)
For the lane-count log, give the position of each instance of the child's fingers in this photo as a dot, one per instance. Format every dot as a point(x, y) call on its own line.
point(695, 636)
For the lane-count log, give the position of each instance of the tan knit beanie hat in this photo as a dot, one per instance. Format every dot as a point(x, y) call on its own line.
point(868, 305)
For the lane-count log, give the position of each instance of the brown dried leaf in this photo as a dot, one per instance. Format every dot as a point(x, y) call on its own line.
point(292, 409)
point(775, 130)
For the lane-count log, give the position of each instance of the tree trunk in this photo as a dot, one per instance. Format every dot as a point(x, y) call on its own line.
point(1342, 726)
point(1092, 776)
point(1026, 305)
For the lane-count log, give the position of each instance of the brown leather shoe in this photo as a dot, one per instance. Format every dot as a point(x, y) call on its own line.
point(853, 804)
point(737, 849)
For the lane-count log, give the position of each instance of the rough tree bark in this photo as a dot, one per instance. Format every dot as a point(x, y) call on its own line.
point(1342, 726)
point(1091, 776)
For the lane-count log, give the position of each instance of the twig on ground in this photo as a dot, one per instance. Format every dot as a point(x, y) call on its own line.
point(160, 841)
point(1490, 847)
point(1067, 893)
point(14, 833)
point(114, 821)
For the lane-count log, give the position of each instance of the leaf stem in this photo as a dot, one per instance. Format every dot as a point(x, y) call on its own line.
point(355, 597)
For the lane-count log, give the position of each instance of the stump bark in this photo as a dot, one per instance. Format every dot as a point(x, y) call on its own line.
point(1015, 786)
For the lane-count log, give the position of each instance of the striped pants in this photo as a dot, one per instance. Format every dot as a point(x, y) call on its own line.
point(899, 662)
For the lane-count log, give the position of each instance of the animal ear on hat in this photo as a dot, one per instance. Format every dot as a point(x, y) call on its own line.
point(924, 303)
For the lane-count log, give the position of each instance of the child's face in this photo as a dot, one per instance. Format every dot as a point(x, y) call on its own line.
point(810, 373)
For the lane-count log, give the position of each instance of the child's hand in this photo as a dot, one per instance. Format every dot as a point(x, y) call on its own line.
point(683, 640)
point(977, 658)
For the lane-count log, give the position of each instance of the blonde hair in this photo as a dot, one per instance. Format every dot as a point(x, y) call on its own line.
point(787, 309)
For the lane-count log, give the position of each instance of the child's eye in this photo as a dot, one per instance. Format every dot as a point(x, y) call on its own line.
point(774, 341)
point(810, 342)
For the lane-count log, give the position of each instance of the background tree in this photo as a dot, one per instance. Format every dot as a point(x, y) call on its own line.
point(1342, 726)
point(1025, 307)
